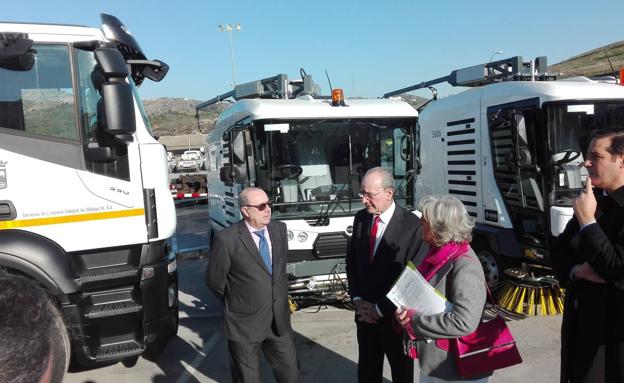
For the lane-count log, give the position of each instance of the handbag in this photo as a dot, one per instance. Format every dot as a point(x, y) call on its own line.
point(490, 347)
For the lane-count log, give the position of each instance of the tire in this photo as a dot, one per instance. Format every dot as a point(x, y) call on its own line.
point(128, 363)
point(59, 337)
point(493, 267)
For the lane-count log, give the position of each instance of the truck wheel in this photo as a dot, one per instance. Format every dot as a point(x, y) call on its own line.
point(59, 337)
point(492, 267)
point(130, 362)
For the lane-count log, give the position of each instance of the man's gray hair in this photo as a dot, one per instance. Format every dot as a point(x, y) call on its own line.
point(448, 219)
point(243, 197)
point(386, 178)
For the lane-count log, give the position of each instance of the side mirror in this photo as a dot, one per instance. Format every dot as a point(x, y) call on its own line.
point(238, 147)
point(521, 160)
point(116, 116)
point(230, 173)
point(524, 158)
point(119, 110)
point(154, 70)
point(16, 52)
point(112, 63)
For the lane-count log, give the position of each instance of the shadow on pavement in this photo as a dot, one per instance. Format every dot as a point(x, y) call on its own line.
point(201, 355)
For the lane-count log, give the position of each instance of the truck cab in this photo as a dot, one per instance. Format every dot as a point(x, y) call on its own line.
point(511, 148)
point(309, 153)
point(85, 207)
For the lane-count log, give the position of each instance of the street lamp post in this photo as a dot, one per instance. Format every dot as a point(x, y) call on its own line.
point(494, 54)
point(229, 28)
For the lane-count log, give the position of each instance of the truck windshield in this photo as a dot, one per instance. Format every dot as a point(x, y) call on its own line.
point(570, 125)
point(315, 167)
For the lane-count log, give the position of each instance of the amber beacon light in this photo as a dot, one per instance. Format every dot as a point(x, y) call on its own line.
point(338, 97)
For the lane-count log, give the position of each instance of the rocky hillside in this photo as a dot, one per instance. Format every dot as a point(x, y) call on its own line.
point(176, 116)
point(592, 63)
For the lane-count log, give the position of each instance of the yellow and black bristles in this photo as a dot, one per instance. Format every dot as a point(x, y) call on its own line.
point(524, 293)
point(292, 305)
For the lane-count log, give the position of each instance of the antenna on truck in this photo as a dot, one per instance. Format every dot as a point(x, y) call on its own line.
point(511, 69)
point(329, 81)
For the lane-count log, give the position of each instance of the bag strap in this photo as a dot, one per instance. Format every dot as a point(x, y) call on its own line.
point(440, 265)
point(445, 343)
point(489, 297)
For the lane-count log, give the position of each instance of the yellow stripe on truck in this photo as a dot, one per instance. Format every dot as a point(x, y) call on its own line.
point(71, 218)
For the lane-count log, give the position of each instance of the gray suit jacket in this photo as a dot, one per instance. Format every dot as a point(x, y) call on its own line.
point(466, 291)
point(252, 297)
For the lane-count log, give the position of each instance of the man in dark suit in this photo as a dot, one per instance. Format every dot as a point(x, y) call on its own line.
point(247, 271)
point(385, 237)
point(589, 258)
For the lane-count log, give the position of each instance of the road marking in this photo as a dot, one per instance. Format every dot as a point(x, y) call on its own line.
point(190, 370)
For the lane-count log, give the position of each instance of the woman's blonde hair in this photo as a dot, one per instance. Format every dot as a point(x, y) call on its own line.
point(448, 219)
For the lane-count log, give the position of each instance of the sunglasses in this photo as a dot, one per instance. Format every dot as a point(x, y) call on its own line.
point(262, 206)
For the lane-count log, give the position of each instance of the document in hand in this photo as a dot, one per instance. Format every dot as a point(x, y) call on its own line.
point(413, 291)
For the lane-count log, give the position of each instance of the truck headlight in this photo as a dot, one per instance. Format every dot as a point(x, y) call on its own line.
point(147, 273)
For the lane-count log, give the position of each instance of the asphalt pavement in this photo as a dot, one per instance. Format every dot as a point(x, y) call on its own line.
point(325, 338)
point(325, 335)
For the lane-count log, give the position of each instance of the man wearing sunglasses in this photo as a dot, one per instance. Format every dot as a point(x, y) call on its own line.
point(385, 237)
point(247, 272)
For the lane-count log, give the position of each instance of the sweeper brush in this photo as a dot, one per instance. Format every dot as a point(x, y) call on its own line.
point(525, 293)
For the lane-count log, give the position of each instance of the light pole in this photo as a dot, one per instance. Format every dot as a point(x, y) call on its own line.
point(229, 28)
point(494, 54)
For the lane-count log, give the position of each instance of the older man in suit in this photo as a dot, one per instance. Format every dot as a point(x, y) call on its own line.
point(589, 257)
point(385, 237)
point(247, 271)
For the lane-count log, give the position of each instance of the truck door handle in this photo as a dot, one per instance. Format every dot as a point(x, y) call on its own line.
point(7, 211)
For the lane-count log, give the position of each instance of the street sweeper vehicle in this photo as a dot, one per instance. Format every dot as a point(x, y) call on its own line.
point(85, 207)
point(309, 153)
point(511, 148)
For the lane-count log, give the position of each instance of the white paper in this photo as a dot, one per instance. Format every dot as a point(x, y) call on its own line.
point(413, 291)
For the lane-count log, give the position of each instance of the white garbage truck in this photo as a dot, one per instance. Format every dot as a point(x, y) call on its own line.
point(510, 148)
point(85, 207)
point(309, 153)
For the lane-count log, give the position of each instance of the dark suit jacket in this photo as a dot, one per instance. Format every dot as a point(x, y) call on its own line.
point(593, 313)
point(401, 242)
point(237, 275)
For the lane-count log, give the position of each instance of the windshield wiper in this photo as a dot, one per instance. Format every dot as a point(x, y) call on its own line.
point(323, 218)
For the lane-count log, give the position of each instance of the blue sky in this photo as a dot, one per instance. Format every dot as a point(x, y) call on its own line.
point(368, 47)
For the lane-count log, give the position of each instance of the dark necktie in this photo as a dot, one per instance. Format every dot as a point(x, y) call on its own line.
point(373, 238)
point(264, 250)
